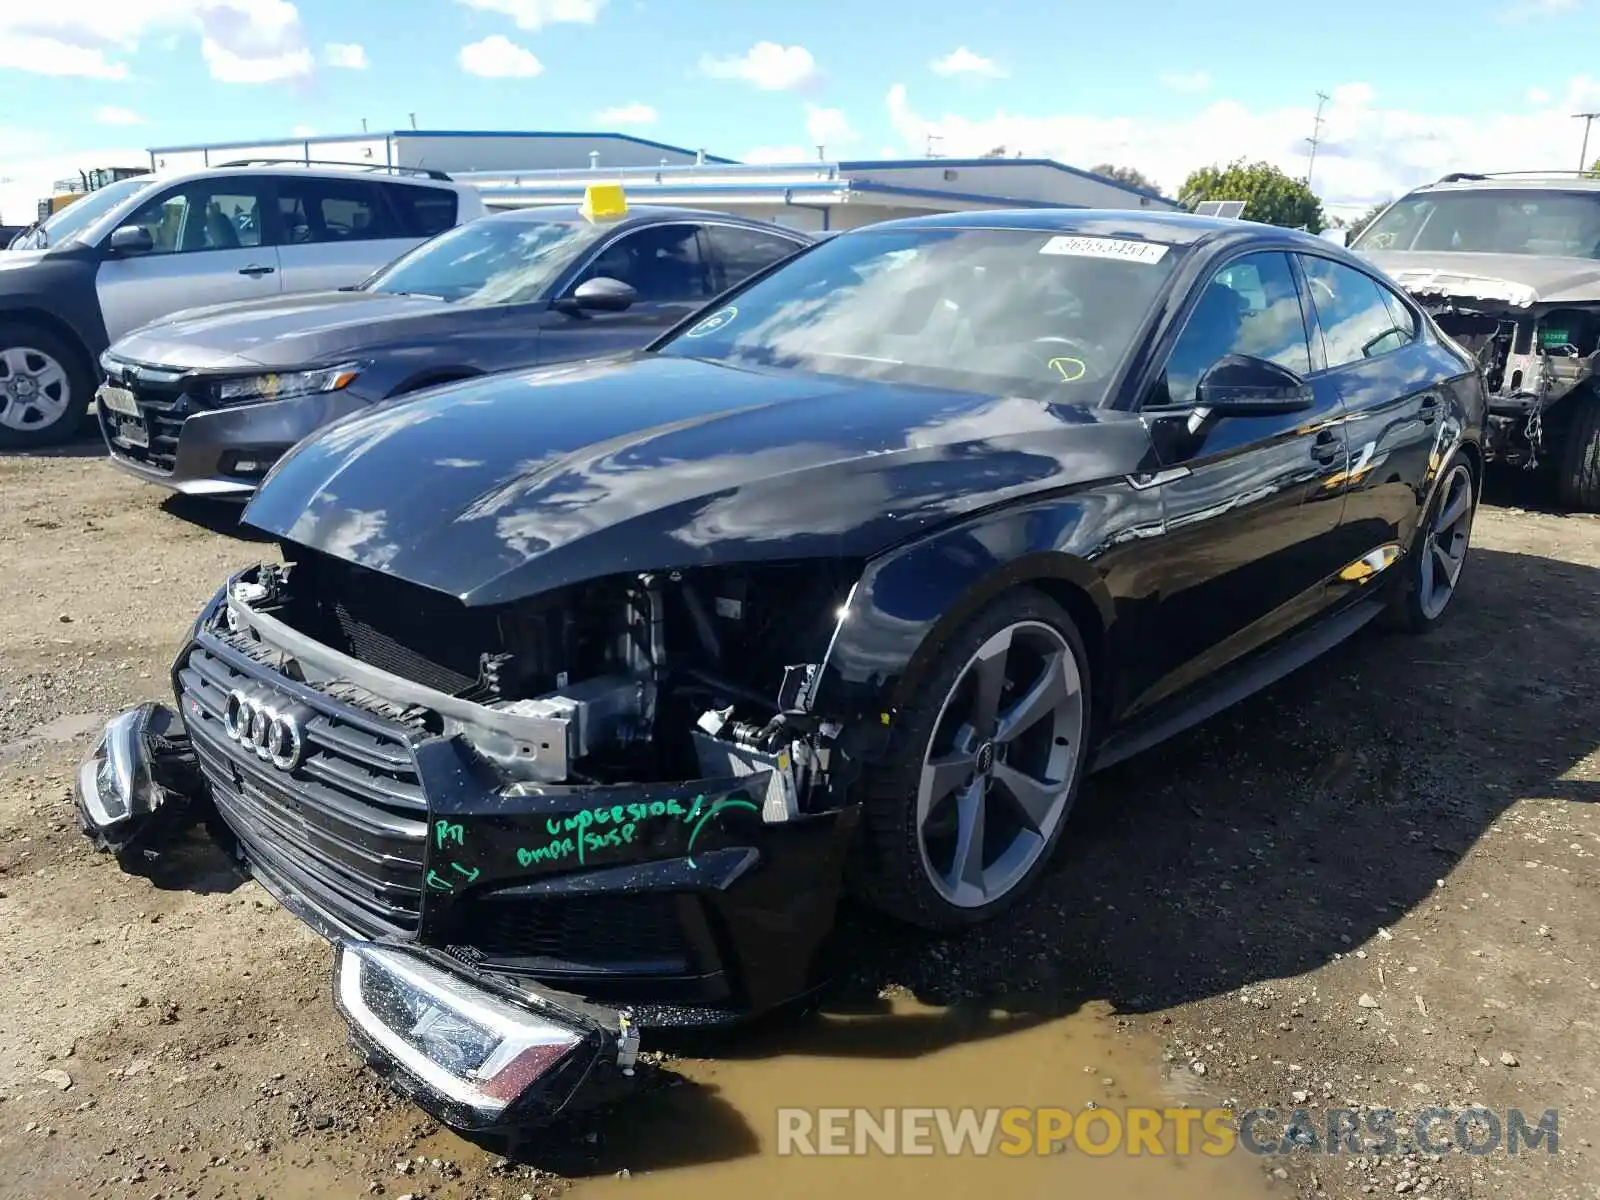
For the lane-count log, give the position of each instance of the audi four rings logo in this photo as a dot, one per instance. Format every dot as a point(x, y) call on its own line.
point(273, 733)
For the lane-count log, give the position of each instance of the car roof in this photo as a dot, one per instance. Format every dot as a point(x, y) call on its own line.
point(1174, 228)
point(299, 170)
point(1536, 181)
point(639, 214)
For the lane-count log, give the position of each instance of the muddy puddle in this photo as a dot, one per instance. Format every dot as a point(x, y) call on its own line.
point(721, 1131)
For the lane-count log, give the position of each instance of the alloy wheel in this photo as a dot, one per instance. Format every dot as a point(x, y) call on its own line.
point(999, 770)
point(1444, 548)
point(35, 391)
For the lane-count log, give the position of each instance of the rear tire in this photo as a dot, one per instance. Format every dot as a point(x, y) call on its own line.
point(966, 810)
point(1578, 475)
point(45, 387)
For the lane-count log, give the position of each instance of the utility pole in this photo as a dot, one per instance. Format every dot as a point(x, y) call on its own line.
point(1583, 155)
point(1316, 136)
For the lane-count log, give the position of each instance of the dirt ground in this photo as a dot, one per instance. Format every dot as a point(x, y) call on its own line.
point(1373, 885)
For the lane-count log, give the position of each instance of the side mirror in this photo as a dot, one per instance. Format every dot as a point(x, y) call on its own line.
point(1242, 385)
point(132, 239)
point(600, 294)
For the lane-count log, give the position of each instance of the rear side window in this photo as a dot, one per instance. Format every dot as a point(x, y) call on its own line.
point(423, 211)
point(332, 210)
point(1354, 312)
point(740, 253)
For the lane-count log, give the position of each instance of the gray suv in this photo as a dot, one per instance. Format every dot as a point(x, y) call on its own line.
point(1509, 267)
point(139, 249)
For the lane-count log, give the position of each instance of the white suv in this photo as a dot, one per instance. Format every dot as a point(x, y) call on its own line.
point(140, 249)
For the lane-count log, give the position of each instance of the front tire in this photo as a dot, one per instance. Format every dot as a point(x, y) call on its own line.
point(1432, 570)
point(983, 766)
point(1579, 470)
point(44, 387)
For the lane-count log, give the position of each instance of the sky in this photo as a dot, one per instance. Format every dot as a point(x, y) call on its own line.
point(1164, 86)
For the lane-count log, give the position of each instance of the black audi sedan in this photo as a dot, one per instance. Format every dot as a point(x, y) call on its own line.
point(582, 692)
point(206, 400)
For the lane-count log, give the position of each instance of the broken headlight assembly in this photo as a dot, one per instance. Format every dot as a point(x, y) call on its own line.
point(134, 788)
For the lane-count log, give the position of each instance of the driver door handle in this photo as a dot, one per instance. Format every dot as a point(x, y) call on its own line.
point(1328, 446)
point(254, 270)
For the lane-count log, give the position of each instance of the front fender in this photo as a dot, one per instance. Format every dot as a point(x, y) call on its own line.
point(909, 600)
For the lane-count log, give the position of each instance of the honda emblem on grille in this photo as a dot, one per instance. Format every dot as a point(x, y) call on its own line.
point(271, 733)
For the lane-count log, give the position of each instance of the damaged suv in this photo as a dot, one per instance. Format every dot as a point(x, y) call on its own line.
point(1509, 266)
point(580, 692)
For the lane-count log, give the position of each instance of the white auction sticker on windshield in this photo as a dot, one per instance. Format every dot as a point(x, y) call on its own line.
point(1127, 249)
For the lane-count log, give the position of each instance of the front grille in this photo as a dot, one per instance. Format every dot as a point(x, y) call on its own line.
point(164, 408)
point(347, 828)
point(639, 934)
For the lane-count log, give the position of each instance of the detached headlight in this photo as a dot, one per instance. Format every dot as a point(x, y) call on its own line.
point(288, 385)
point(469, 1047)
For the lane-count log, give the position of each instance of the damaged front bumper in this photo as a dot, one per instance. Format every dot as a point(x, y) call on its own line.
point(497, 949)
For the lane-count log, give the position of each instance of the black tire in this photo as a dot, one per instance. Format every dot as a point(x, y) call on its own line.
point(1409, 609)
point(1578, 474)
point(64, 424)
point(889, 872)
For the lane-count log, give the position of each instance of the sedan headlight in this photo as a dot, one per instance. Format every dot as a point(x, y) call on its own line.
point(287, 385)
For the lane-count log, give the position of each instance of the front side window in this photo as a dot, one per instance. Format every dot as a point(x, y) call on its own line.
point(204, 215)
point(332, 210)
point(490, 261)
point(997, 311)
point(1490, 221)
point(1250, 306)
point(1357, 321)
point(663, 263)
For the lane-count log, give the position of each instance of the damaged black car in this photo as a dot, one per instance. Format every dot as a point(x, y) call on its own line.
point(581, 695)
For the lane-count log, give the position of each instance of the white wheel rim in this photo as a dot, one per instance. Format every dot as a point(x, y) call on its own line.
point(1000, 764)
point(35, 392)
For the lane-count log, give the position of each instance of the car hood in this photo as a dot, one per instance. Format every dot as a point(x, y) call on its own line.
point(1520, 280)
point(285, 331)
point(19, 260)
point(504, 486)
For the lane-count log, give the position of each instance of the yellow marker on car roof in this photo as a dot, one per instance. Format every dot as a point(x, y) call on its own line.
point(604, 202)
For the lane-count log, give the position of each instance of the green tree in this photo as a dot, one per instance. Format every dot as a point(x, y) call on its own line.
point(1128, 175)
point(1269, 194)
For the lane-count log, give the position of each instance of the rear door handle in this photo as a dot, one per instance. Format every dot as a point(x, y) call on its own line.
point(1328, 446)
point(1430, 409)
point(255, 270)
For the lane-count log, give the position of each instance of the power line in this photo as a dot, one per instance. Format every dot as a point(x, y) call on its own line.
point(1315, 139)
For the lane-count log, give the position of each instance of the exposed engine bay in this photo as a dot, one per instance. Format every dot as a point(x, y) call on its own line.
point(647, 677)
point(1533, 357)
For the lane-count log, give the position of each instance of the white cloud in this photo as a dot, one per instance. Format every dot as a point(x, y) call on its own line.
point(112, 114)
point(1186, 81)
point(766, 65)
point(498, 57)
point(536, 14)
point(1368, 152)
point(303, 131)
point(828, 126)
point(626, 114)
point(348, 55)
point(243, 41)
point(962, 61)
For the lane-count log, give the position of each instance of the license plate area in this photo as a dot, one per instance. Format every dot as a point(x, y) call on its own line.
point(118, 400)
point(130, 431)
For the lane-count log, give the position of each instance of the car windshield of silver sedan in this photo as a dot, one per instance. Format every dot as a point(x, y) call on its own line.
point(1003, 312)
point(1560, 224)
point(489, 261)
